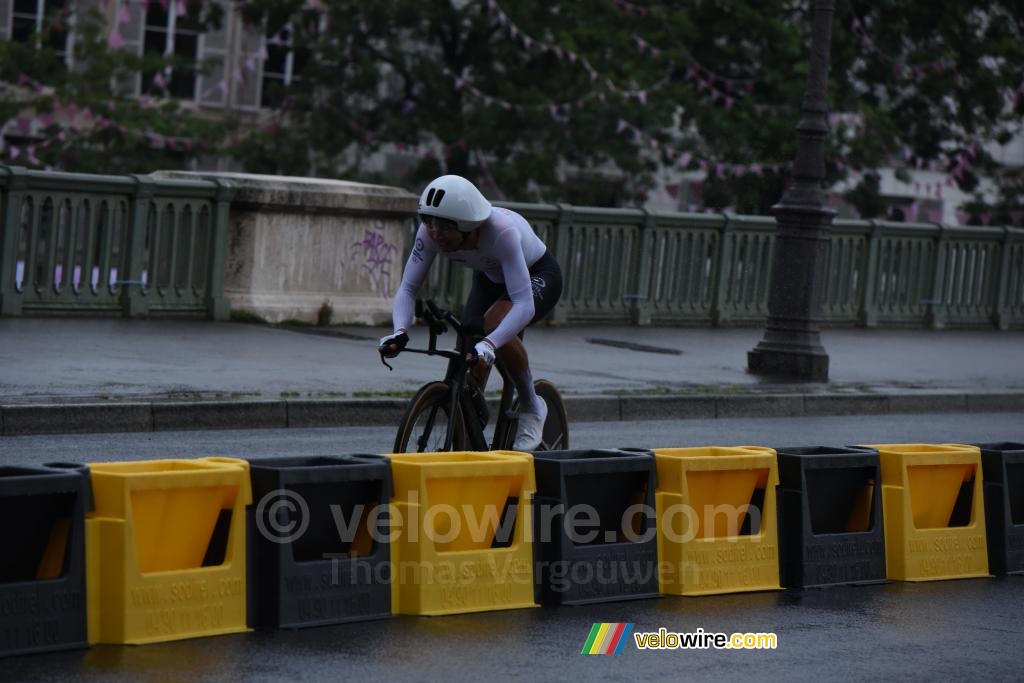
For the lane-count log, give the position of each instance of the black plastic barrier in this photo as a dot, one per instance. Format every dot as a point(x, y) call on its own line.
point(42, 566)
point(318, 541)
point(830, 517)
point(596, 536)
point(1003, 473)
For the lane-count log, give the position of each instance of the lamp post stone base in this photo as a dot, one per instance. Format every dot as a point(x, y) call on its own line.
point(808, 366)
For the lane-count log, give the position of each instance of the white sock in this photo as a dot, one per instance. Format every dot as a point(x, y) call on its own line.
point(529, 401)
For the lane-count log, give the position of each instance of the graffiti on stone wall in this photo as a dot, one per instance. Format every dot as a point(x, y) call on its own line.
point(377, 254)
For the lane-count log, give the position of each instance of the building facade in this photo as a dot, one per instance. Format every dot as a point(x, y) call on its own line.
point(244, 68)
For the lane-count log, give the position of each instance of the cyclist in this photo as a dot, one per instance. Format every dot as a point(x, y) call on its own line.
point(517, 282)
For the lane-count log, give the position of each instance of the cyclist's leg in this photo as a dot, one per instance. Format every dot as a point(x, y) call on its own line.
point(546, 278)
point(482, 296)
point(513, 355)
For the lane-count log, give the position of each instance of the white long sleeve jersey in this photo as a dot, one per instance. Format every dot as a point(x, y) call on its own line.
point(506, 250)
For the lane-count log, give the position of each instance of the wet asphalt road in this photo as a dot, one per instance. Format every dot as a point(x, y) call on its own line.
point(952, 629)
point(773, 432)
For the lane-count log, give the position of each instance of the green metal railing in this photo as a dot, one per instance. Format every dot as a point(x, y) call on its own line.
point(644, 267)
point(137, 245)
point(129, 244)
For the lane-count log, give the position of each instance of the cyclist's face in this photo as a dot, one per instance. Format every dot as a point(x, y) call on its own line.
point(444, 232)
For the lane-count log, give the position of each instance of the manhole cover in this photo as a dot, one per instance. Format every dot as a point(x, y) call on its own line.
point(633, 346)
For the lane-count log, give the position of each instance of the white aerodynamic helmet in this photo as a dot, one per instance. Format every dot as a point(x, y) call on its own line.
point(456, 199)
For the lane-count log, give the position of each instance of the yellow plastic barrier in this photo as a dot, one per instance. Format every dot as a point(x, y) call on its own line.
point(447, 508)
point(166, 549)
point(717, 525)
point(934, 511)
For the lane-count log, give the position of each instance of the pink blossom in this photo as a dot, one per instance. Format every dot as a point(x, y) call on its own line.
point(114, 40)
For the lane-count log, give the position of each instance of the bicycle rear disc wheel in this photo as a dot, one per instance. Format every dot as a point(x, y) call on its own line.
point(425, 424)
point(555, 436)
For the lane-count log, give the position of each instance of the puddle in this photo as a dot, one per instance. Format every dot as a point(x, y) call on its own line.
point(633, 346)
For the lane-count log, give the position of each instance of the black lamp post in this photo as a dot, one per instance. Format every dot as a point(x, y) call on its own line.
point(791, 347)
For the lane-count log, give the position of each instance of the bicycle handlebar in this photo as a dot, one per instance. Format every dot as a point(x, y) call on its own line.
point(435, 318)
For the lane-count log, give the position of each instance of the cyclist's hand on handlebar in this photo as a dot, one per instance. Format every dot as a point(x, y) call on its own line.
point(393, 344)
point(483, 352)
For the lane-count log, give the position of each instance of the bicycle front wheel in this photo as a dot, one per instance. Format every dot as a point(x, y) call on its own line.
point(425, 424)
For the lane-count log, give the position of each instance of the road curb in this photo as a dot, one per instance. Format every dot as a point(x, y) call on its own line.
point(77, 418)
point(845, 404)
point(763, 405)
point(219, 415)
point(995, 402)
point(303, 414)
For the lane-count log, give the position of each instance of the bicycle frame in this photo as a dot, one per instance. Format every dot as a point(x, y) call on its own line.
point(455, 378)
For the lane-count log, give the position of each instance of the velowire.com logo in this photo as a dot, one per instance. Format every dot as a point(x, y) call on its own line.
point(607, 638)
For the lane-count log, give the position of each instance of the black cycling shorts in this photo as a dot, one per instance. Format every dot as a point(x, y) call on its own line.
point(545, 277)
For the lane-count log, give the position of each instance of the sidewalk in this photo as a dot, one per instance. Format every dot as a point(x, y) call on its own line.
point(85, 374)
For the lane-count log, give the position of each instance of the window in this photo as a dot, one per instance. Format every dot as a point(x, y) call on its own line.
point(282, 65)
point(172, 30)
point(43, 22)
